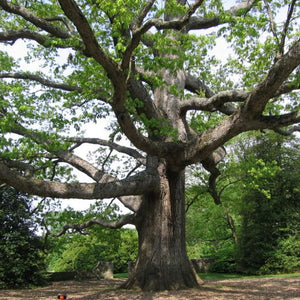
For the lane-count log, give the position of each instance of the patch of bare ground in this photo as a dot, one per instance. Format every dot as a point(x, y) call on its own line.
point(232, 289)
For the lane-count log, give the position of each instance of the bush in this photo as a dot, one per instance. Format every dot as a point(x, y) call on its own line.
point(82, 252)
point(285, 258)
point(22, 260)
point(224, 260)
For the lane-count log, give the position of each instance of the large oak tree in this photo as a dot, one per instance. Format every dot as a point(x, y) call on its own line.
point(150, 66)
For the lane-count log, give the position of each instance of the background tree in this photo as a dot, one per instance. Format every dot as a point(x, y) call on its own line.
point(140, 63)
point(208, 232)
point(21, 250)
point(259, 189)
point(270, 233)
point(78, 252)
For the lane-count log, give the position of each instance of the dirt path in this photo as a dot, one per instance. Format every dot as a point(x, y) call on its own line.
point(229, 289)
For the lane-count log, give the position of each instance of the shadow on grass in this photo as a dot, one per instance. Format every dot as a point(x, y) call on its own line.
point(226, 286)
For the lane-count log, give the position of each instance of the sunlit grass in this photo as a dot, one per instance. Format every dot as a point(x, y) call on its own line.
point(224, 275)
point(121, 275)
point(240, 276)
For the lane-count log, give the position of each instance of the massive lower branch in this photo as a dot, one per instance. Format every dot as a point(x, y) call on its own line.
point(135, 185)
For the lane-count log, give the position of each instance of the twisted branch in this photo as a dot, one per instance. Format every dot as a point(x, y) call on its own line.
point(126, 150)
point(215, 102)
point(41, 80)
point(34, 19)
point(127, 219)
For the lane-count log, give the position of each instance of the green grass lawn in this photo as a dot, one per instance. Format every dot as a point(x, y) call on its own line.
point(121, 275)
point(223, 275)
point(229, 276)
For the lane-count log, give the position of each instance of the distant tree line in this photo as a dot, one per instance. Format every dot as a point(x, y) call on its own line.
point(259, 191)
point(79, 251)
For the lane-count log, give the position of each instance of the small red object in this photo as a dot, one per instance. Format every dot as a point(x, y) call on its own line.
point(61, 296)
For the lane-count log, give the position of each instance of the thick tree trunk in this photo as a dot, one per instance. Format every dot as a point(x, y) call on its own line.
point(162, 262)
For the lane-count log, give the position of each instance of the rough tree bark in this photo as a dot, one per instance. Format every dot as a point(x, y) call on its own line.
point(162, 261)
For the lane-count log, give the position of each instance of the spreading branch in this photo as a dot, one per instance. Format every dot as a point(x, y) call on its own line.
point(175, 23)
point(271, 21)
point(287, 88)
point(127, 219)
point(40, 79)
point(52, 84)
point(122, 149)
point(220, 101)
point(64, 155)
point(131, 202)
point(247, 116)
point(13, 35)
point(28, 169)
point(63, 20)
point(286, 27)
point(138, 91)
point(34, 19)
point(215, 102)
point(198, 22)
point(288, 131)
point(275, 78)
point(195, 85)
point(138, 31)
point(93, 48)
point(159, 24)
point(277, 122)
point(138, 21)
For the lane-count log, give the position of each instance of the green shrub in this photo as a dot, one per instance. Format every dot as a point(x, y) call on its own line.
point(224, 260)
point(285, 258)
point(21, 256)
